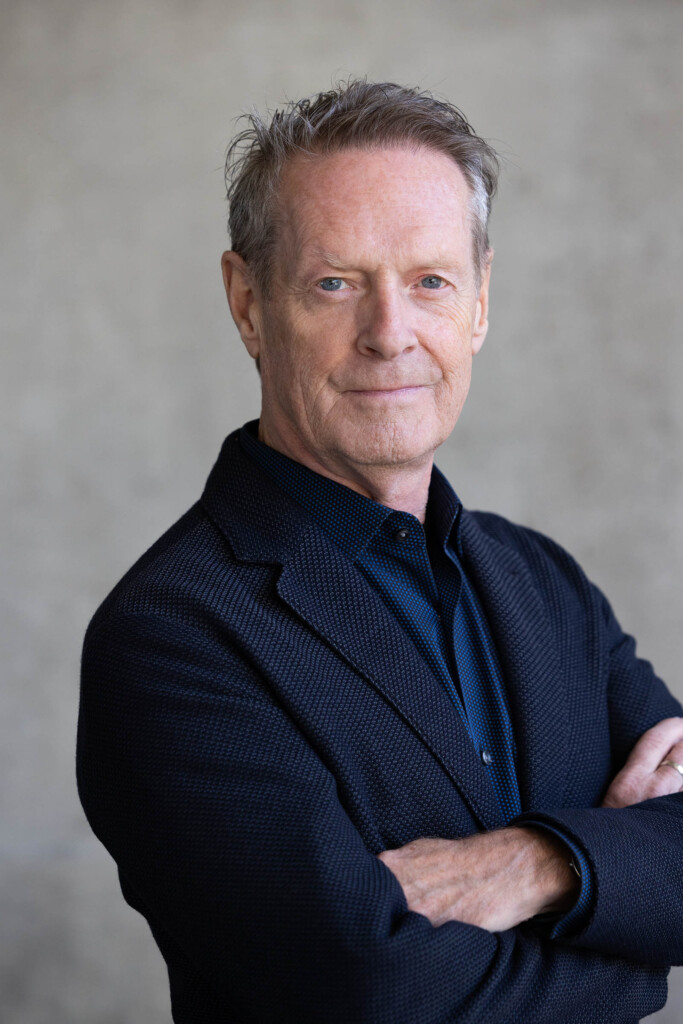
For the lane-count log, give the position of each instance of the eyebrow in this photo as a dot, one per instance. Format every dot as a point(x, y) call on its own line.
point(331, 258)
point(437, 259)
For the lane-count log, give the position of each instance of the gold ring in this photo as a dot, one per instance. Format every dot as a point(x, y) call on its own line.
point(672, 764)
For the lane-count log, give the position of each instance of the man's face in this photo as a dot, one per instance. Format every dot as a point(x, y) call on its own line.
point(366, 340)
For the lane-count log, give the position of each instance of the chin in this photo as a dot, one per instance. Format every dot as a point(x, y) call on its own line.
point(387, 443)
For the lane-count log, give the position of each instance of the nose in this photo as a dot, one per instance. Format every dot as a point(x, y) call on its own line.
point(386, 329)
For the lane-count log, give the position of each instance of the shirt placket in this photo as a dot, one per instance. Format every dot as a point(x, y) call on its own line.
point(396, 563)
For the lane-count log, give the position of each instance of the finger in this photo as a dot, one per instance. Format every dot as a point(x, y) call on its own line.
point(652, 747)
point(665, 780)
point(675, 775)
point(628, 787)
point(635, 783)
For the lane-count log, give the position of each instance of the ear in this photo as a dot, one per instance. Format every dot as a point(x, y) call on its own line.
point(244, 301)
point(481, 315)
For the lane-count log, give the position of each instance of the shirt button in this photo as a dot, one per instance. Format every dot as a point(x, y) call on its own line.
point(401, 534)
point(487, 757)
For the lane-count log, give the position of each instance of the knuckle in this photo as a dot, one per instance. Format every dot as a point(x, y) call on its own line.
point(617, 792)
point(669, 778)
point(667, 727)
point(421, 905)
point(628, 788)
point(626, 791)
point(663, 786)
point(388, 857)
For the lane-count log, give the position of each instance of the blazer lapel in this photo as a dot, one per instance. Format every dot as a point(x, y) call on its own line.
point(323, 587)
point(328, 592)
point(531, 666)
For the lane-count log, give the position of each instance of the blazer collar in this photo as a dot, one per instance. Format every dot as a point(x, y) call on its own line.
point(323, 587)
point(260, 521)
point(350, 519)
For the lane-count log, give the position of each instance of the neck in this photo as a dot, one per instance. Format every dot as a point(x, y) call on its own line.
point(404, 488)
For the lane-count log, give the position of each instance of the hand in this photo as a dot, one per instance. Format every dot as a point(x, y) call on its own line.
point(641, 777)
point(494, 880)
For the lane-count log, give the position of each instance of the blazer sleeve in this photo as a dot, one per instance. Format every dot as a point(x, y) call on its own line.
point(231, 839)
point(635, 853)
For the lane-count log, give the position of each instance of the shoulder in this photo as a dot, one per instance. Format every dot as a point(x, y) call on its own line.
point(189, 577)
point(190, 573)
point(530, 544)
point(556, 573)
point(176, 621)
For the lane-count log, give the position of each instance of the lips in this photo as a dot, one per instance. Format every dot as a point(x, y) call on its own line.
point(379, 391)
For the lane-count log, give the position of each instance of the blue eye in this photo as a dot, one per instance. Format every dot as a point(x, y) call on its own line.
point(331, 284)
point(431, 281)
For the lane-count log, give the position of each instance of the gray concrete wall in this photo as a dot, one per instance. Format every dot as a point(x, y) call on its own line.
point(122, 373)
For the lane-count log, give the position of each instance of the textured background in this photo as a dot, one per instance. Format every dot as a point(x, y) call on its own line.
point(122, 372)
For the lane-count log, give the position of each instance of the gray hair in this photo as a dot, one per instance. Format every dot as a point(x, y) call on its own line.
point(357, 114)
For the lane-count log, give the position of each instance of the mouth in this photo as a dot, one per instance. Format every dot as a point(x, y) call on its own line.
point(387, 392)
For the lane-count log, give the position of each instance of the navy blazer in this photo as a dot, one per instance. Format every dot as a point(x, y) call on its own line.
point(255, 726)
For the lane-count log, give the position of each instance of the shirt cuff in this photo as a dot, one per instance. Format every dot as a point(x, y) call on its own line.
point(574, 919)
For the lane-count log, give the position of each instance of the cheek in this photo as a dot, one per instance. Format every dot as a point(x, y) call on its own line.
point(299, 372)
point(454, 357)
point(447, 330)
point(459, 382)
point(319, 346)
point(456, 368)
point(463, 318)
point(287, 345)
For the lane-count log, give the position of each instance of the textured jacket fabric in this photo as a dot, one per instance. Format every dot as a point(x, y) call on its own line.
point(255, 726)
point(415, 568)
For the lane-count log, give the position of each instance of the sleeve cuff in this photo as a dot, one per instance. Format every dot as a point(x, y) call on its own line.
point(575, 918)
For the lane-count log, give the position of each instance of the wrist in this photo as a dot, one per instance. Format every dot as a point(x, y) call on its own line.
point(554, 877)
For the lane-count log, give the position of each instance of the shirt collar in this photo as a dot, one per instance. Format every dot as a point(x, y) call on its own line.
point(443, 511)
point(349, 518)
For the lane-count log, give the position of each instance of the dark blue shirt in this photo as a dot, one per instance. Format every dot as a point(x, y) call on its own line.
point(417, 571)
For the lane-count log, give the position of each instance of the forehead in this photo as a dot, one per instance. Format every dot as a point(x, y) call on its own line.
point(387, 201)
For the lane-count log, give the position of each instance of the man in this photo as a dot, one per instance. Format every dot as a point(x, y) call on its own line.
point(360, 754)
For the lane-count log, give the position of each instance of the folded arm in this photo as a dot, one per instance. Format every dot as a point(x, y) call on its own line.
point(633, 842)
point(230, 837)
point(497, 880)
point(494, 880)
